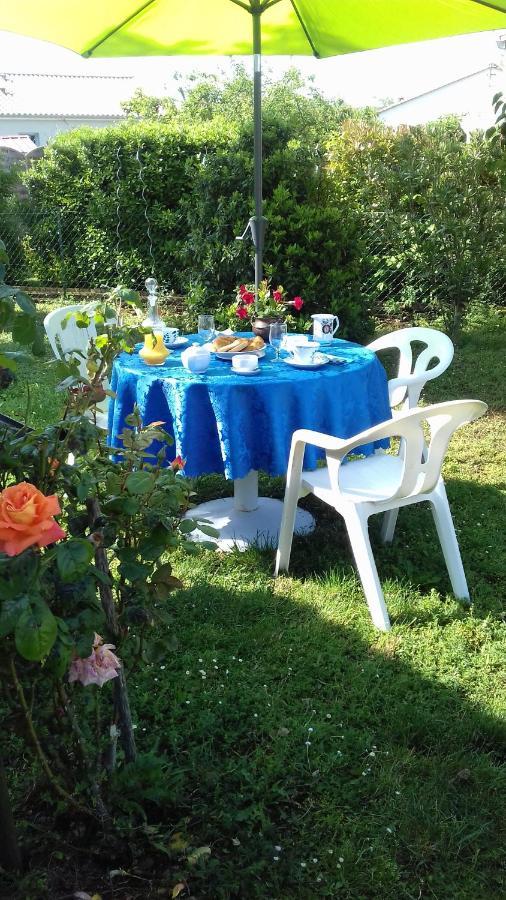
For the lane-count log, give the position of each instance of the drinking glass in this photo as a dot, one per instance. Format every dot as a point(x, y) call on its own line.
point(277, 333)
point(206, 328)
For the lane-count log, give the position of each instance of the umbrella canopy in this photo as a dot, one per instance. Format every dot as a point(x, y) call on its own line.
point(171, 27)
point(279, 27)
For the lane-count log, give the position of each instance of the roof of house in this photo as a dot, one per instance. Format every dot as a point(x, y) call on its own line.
point(491, 68)
point(71, 96)
point(21, 143)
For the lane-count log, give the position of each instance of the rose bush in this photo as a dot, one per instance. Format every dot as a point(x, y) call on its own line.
point(97, 580)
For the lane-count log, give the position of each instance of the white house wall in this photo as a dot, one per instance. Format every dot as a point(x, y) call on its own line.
point(470, 100)
point(46, 128)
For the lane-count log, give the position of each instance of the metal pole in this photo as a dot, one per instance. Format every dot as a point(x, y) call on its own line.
point(258, 222)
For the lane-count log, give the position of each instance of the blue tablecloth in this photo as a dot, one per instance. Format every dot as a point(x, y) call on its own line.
point(228, 423)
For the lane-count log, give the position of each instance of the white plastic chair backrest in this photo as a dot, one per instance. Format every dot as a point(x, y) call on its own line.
point(407, 386)
point(419, 475)
point(65, 340)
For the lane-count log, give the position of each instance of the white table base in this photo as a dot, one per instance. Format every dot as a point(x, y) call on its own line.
point(246, 519)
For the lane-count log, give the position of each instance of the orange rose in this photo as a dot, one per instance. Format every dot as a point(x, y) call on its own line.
point(26, 518)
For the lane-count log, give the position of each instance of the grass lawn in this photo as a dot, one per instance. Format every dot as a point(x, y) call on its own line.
point(313, 755)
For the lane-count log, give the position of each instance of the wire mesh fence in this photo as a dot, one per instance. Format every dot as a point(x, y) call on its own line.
point(57, 249)
point(404, 263)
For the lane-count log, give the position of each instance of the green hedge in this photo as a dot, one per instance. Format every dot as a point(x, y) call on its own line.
point(197, 185)
point(362, 219)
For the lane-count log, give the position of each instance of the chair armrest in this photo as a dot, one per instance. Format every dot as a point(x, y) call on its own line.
point(317, 439)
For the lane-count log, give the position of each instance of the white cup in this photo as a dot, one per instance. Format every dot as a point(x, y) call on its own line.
point(304, 351)
point(291, 340)
point(170, 335)
point(245, 362)
point(325, 326)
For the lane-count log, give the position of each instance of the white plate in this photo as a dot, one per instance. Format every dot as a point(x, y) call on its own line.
point(179, 342)
point(258, 353)
point(319, 360)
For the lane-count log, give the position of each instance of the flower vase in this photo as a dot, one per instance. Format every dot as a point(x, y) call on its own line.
point(260, 326)
point(154, 352)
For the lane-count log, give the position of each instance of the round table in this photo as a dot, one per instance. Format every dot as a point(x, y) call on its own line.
point(239, 424)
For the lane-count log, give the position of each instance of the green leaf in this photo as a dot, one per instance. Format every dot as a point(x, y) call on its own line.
point(139, 482)
point(73, 558)
point(39, 346)
point(101, 341)
point(152, 547)
point(208, 545)
point(10, 613)
point(122, 505)
point(127, 295)
point(187, 525)
point(35, 632)
point(60, 658)
point(134, 571)
point(162, 573)
point(85, 487)
point(161, 590)
point(25, 303)
point(209, 530)
point(24, 329)
point(84, 645)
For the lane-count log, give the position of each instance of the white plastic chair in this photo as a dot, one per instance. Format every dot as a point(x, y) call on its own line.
point(381, 482)
point(412, 374)
point(404, 390)
point(72, 342)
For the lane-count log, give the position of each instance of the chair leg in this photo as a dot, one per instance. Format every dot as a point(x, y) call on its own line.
point(449, 544)
point(388, 525)
point(358, 532)
point(286, 529)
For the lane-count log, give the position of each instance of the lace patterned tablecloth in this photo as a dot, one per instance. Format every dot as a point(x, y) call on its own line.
point(228, 423)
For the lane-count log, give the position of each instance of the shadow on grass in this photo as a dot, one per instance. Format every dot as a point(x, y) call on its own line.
point(414, 562)
point(287, 721)
point(291, 729)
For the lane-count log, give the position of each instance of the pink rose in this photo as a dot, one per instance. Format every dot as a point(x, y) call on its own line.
point(99, 667)
point(298, 303)
point(242, 312)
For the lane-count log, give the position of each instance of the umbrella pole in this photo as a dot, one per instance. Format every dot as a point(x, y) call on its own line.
point(258, 222)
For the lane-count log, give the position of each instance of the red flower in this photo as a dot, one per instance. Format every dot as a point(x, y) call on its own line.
point(248, 298)
point(242, 312)
point(242, 289)
point(178, 463)
point(298, 303)
point(278, 296)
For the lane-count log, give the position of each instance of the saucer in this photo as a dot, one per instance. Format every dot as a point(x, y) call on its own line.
point(252, 372)
point(177, 344)
point(319, 360)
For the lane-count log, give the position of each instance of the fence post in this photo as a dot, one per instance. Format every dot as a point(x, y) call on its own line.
point(61, 252)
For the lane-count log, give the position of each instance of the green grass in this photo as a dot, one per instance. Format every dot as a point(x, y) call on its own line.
point(375, 762)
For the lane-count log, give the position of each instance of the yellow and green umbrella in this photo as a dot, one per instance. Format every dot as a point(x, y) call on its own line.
point(278, 27)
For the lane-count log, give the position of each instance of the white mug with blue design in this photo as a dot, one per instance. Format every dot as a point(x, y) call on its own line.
point(325, 326)
point(170, 335)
